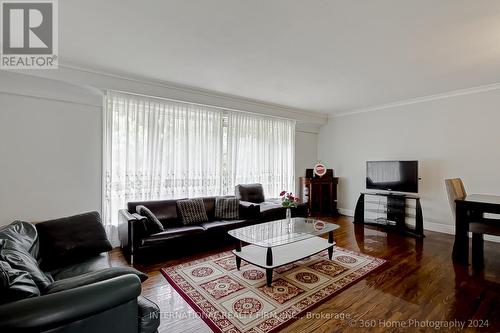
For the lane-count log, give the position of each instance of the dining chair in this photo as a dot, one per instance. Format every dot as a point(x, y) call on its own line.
point(484, 225)
point(456, 190)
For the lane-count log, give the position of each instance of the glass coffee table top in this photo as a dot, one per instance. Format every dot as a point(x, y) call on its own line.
point(281, 232)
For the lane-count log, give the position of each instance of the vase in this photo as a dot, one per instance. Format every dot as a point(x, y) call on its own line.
point(288, 213)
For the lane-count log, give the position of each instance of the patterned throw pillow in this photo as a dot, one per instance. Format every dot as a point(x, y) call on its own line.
point(153, 225)
point(227, 208)
point(192, 211)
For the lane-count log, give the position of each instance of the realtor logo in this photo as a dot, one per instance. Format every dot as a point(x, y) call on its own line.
point(29, 34)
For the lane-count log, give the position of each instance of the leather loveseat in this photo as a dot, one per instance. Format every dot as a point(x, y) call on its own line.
point(84, 295)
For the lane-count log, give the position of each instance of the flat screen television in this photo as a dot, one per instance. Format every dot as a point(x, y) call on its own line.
point(398, 176)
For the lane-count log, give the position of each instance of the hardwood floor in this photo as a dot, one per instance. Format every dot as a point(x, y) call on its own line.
point(418, 284)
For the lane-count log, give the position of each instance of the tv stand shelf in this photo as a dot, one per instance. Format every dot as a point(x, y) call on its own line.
point(395, 213)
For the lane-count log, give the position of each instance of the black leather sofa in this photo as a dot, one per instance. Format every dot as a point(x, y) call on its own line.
point(82, 296)
point(253, 208)
point(137, 241)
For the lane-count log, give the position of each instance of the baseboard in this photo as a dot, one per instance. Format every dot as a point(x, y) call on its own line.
point(436, 227)
point(490, 238)
point(346, 212)
point(439, 227)
point(450, 230)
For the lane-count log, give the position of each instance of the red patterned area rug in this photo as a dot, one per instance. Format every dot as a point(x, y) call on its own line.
point(233, 301)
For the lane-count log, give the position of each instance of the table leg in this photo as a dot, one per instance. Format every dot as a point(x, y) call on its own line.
point(269, 276)
point(238, 263)
point(269, 257)
point(330, 240)
point(238, 259)
point(461, 245)
point(477, 251)
point(269, 262)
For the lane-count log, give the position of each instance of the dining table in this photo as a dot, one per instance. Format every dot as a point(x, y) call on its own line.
point(469, 209)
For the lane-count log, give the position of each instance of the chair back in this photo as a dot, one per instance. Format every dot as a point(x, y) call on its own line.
point(250, 192)
point(456, 190)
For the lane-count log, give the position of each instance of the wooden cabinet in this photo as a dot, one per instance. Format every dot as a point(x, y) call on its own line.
point(319, 193)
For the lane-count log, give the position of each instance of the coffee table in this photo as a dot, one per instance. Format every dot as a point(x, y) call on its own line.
point(277, 243)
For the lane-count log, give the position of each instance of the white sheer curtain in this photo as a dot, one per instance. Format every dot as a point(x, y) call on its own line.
point(260, 150)
point(155, 148)
point(160, 149)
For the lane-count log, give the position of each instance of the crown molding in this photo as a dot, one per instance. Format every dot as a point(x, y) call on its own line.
point(67, 72)
point(423, 99)
point(29, 86)
point(190, 89)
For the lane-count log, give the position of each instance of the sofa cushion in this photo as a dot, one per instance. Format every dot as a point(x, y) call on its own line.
point(92, 264)
point(250, 192)
point(272, 211)
point(15, 284)
point(249, 210)
point(227, 208)
point(148, 315)
point(164, 210)
point(224, 224)
point(173, 232)
point(192, 211)
point(71, 239)
point(269, 205)
point(93, 277)
point(19, 258)
point(153, 225)
point(24, 234)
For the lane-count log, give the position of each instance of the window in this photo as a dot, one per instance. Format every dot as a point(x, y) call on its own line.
point(260, 150)
point(161, 149)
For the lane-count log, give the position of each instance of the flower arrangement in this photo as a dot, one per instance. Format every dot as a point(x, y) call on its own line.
point(288, 200)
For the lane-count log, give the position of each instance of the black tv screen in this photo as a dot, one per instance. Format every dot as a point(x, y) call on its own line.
point(398, 176)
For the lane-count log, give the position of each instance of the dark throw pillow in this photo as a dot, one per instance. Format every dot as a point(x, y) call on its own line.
point(192, 211)
point(15, 284)
point(19, 258)
point(71, 239)
point(153, 225)
point(93, 277)
point(227, 208)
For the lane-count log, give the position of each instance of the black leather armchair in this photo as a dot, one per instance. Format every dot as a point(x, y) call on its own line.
point(106, 306)
point(81, 294)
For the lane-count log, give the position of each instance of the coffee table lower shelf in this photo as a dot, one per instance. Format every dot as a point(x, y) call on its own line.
point(269, 258)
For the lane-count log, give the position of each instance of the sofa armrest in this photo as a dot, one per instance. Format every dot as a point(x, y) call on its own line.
point(63, 308)
point(249, 210)
point(131, 228)
point(123, 217)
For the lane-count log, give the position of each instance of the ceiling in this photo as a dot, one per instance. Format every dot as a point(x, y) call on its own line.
point(319, 55)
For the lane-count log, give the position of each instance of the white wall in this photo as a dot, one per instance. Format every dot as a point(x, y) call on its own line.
point(50, 150)
point(51, 141)
point(451, 137)
point(306, 154)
